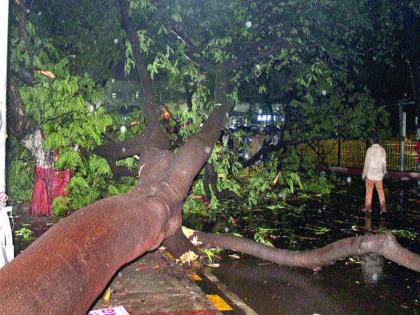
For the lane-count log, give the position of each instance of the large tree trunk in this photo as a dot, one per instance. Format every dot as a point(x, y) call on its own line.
point(67, 268)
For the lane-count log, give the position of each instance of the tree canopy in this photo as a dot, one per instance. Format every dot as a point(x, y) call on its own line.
point(313, 58)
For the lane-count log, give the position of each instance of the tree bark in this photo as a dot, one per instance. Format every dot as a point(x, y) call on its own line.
point(67, 268)
point(210, 181)
point(19, 124)
point(384, 244)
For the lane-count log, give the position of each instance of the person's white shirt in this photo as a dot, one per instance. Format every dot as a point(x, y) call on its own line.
point(375, 163)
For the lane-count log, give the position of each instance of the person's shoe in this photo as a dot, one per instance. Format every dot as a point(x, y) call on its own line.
point(367, 210)
point(383, 213)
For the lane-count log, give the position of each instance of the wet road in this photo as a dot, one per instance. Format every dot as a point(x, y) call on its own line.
point(365, 285)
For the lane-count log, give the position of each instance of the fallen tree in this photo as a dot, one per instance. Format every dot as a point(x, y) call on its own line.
point(77, 257)
point(66, 269)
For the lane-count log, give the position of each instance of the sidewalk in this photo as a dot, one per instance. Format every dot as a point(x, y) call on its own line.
point(155, 284)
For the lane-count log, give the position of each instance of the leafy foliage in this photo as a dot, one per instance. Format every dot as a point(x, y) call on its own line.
point(258, 187)
point(87, 32)
point(25, 233)
point(308, 56)
point(261, 236)
point(69, 110)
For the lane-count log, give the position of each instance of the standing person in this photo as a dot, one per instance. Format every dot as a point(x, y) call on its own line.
point(374, 171)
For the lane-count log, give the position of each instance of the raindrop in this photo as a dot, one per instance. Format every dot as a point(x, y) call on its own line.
point(123, 129)
point(324, 92)
point(39, 13)
point(349, 180)
point(207, 150)
point(116, 40)
point(375, 277)
point(248, 24)
point(124, 149)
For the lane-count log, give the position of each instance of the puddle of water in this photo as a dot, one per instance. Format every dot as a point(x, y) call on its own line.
point(365, 285)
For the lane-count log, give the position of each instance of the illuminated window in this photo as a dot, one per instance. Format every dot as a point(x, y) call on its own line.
point(264, 117)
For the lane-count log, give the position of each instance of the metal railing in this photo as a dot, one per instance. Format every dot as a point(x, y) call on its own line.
point(351, 153)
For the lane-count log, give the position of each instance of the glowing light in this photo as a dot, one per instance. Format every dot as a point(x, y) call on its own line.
point(116, 40)
point(324, 92)
point(262, 117)
point(166, 115)
point(248, 24)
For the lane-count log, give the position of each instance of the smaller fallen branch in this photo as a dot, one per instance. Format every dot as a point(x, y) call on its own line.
point(384, 244)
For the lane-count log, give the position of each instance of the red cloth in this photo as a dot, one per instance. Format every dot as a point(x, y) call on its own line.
point(49, 184)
